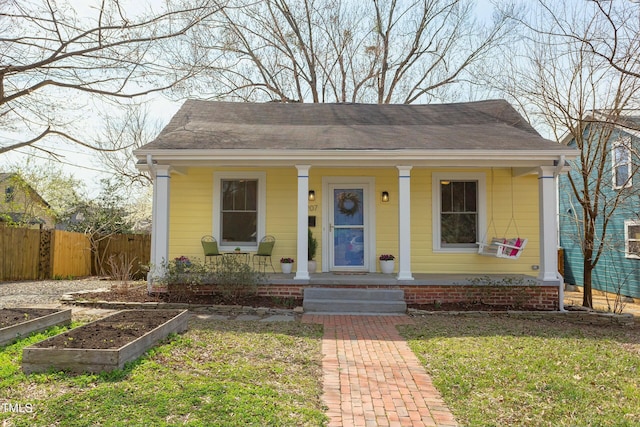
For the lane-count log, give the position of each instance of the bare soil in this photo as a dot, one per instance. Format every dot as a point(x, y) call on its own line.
point(464, 307)
point(139, 294)
point(112, 332)
point(15, 316)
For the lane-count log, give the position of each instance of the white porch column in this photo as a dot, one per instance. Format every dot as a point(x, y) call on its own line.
point(404, 223)
point(160, 219)
point(548, 226)
point(302, 272)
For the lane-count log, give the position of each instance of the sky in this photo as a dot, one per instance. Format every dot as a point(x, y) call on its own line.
point(85, 164)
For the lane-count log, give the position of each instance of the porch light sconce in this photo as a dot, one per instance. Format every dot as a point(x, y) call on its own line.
point(385, 196)
point(312, 195)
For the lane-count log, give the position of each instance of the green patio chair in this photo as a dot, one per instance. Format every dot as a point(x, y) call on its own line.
point(210, 247)
point(263, 254)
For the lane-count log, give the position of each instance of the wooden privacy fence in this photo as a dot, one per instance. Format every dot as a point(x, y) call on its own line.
point(20, 253)
point(69, 254)
point(27, 254)
point(132, 251)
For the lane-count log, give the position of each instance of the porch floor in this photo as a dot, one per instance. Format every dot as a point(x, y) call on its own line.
point(420, 279)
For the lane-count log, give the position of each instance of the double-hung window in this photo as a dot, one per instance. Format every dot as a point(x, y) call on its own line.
point(632, 239)
point(458, 211)
point(621, 158)
point(239, 209)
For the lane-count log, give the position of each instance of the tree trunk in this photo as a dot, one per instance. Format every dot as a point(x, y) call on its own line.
point(587, 270)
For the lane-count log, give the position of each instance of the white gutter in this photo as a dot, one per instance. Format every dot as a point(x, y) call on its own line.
point(560, 166)
point(556, 173)
point(152, 168)
point(348, 158)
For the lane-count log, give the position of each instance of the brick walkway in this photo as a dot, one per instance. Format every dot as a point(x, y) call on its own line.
point(371, 377)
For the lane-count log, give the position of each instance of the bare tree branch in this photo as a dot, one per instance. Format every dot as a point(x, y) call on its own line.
point(582, 93)
point(50, 55)
point(338, 51)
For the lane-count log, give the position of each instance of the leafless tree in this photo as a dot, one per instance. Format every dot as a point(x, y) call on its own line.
point(346, 51)
point(124, 133)
point(575, 74)
point(50, 55)
point(617, 37)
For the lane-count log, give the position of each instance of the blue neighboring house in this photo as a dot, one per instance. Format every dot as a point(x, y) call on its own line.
point(618, 269)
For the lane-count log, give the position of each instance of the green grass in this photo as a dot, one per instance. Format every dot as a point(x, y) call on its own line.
point(491, 372)
point(501, 371)
point(216, 374)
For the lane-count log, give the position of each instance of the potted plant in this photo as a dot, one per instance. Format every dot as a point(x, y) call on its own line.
point(387, 263)
point(311, 252)
point(286, 264)
point(237, 249)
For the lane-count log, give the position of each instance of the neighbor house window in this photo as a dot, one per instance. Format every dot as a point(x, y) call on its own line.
point(632, 239)
point(239, 214)
point(621, 156)
point(458, 203)
point(9, 194)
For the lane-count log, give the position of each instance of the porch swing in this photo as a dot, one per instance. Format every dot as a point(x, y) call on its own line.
point(502, 247)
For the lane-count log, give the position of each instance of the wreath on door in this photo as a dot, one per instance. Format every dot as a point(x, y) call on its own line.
point(348, 203)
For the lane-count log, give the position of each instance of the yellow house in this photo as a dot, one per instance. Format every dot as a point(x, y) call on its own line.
point(20, 204)
point(428, 184)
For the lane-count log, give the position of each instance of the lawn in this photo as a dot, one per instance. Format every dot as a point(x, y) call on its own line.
point(503, 371)
point(221, 373)
point(491, 371)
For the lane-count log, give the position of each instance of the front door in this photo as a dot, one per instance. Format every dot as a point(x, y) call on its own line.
point(348, 227)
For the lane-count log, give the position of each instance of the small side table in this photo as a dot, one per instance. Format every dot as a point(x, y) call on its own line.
point(239, 256)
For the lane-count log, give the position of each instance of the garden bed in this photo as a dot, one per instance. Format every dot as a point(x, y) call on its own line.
point(106, 344)
point(19, 322)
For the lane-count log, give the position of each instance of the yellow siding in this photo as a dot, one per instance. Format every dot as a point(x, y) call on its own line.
point(499, 209)
point(282, 212)
point(192, 209)
point(190, 212)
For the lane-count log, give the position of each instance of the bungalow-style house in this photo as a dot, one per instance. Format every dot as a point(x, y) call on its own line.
point(424, 183)
point(618, 269)
point(21, 205)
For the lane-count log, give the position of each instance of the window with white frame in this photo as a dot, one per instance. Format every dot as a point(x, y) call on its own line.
point(458, 211)
point(632, 239)
point(239, 209)
point(621, 167)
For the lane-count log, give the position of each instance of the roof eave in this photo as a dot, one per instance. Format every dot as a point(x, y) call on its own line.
point(191, 157)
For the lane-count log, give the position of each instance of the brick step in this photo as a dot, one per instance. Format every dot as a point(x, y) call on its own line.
point(354, 301)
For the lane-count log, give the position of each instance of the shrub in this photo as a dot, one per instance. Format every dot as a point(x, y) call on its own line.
point(233, 279)
point(183, 271)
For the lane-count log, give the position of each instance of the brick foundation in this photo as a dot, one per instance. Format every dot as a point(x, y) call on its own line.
point(523, 297)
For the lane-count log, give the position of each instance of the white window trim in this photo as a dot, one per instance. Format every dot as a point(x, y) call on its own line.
point(627, 223)
point(624, 142)
point(262, 207)
point(436, 177)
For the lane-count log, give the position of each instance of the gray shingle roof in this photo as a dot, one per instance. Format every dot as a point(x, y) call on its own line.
point(483, 125)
